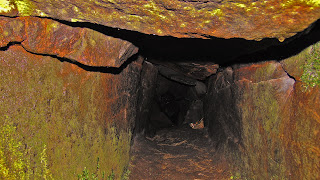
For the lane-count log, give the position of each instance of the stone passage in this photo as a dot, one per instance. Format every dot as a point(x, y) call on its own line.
point(208, 89)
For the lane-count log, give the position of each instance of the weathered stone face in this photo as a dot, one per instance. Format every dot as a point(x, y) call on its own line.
point(270, 117)
point(60, 108)
point(249, 19)
point(49, 37)
point(67, 100)
point(72, 115)
point(147, 90)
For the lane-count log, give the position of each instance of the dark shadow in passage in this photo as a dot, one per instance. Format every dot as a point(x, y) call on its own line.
point(217, 50)
point(279, 52)
point(102, 69)
point(4, 48)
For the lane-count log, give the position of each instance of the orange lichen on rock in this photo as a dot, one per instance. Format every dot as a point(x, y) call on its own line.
point(8, 33)
point(49, 37)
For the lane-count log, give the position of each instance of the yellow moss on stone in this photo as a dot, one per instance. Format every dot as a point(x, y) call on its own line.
point(25, 7)
point(74, 20)
point(13, 164)
point(52, 26)
point(5, 6)
point(215, 12)
point(313, 3)
point(240, 5)
point(15, 160)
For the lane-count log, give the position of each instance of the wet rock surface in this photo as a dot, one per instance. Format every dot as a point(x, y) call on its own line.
point(177, 153)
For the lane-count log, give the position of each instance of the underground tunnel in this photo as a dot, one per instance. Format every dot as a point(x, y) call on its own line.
point(181, 76)
point(159, 89)
point(202, 96)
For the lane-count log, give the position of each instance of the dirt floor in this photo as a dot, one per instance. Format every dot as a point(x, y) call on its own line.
point(177, 153)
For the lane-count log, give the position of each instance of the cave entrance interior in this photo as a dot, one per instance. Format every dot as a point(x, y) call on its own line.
point(179, 94)
point(177, 101)
point(174, 96)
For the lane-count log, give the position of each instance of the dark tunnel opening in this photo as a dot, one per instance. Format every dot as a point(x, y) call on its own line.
point(175, 104)
point(180, 99)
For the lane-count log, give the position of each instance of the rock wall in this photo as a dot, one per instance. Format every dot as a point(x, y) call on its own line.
point(149, 75)
point(60, 118)
point(266, 120)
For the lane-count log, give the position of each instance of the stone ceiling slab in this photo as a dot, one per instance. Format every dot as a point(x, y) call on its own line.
point(248, 19)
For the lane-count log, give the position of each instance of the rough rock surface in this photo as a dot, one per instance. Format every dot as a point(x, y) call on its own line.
point(49, 37)
point(249, 19)
point(268, 120)
point(65, 116)
point(194, 70)
point(147, 91)
point(68, 99)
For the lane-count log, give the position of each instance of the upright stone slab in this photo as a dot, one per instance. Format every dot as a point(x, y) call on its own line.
point(268, 120)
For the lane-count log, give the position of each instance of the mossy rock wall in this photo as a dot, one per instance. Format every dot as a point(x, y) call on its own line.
point(62, 118)
point(276, 135)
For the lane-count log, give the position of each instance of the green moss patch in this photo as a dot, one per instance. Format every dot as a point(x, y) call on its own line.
point(262, 157)
point(311, 69)
point(15, 160)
